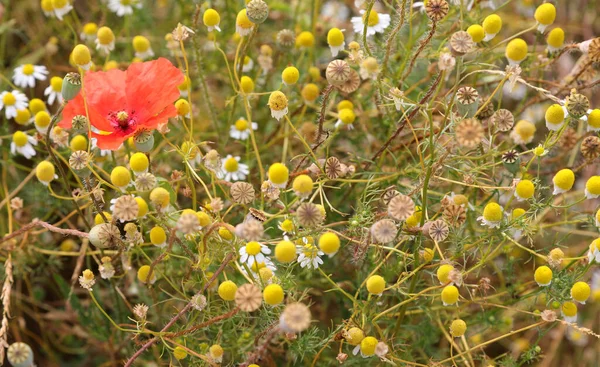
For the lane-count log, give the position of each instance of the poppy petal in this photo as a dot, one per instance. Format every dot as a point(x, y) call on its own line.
point(110, 141)
point(105, 91)
point(77, 107)
point(152, 86)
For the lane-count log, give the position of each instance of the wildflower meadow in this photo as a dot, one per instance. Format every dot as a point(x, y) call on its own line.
point(299, 183)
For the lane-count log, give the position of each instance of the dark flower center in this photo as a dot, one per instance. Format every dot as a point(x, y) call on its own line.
point(123, 120)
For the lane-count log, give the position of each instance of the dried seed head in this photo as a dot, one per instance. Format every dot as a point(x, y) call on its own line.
point(401, 207)
point(590, 147)
point(19, 354)
point(337, 72)
point(309, 215)
point(594, 50)
point(467, 95)
point(455, 215)
point(242, 192)
point(577, 104)
point(384, 231)
point(309, 130)
point(145, 182)
point(503, 119)
point(487, 111)
point(548, 315)
point(568, 139)
point(257, 11)
point(105, 235)
point(461, 43)
point(350, 85)
point(510, 156)
point(333, 168)
point(257, 215)
point(140, 311)
point(251, 230)
point(438, 230)
point(248, 297)
point(286, 38)
point(79, 161)
point(199, 302)
point(216, 204)
point(469, 133)
point(295, 318)
point(80, 123)
point(188, 223)
point(212, 160)
point(270, 191)
point(389, 194)
point(126, 208)
point(437, 9)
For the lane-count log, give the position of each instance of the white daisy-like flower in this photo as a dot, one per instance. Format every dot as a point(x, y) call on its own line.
point(232, 169)
point(241, 129)
point(248, 64)
point(124, 7)
point(11, 102)
point(377, 23)
point(61, 8)
point(25, 75)
point(106, 48)
point(570, 318)
point(593, 252)
point(489, 223)
point(54, 90)
point(309, 256)
point(145, 54)
point(23, 144)
point(286, 226)
point(577, 337)
point(254, 251)
point(556, 127)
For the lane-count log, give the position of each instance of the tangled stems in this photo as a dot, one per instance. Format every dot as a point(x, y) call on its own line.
point(404, 120)
point(182, 312)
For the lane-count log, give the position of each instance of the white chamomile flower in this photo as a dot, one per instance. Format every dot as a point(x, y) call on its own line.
point(105, 40)
point(23, 144)
point(143, 49)
point(241, 129)
point(123, 7)
point(11, 102)
point(309, 256)
point(25, 75)
point(61, 8)
point(253, 251)
point(594, 251)
point(377, 23)
point(232, 169)
point(54, 90)
point(248, 64)
point(492, 215)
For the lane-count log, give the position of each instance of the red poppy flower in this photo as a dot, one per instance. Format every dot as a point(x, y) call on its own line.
point(122, 103)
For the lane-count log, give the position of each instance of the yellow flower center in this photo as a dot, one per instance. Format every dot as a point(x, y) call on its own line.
point(125, 2)
point(373, 18)
point(310, 251)
point(231, 165)
point(253, 248)
point(122, 117)
point(19, 138)
point(28, 69)
point(256, 266)
point(241, 125)
point(9, 99)
point(56, 83)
